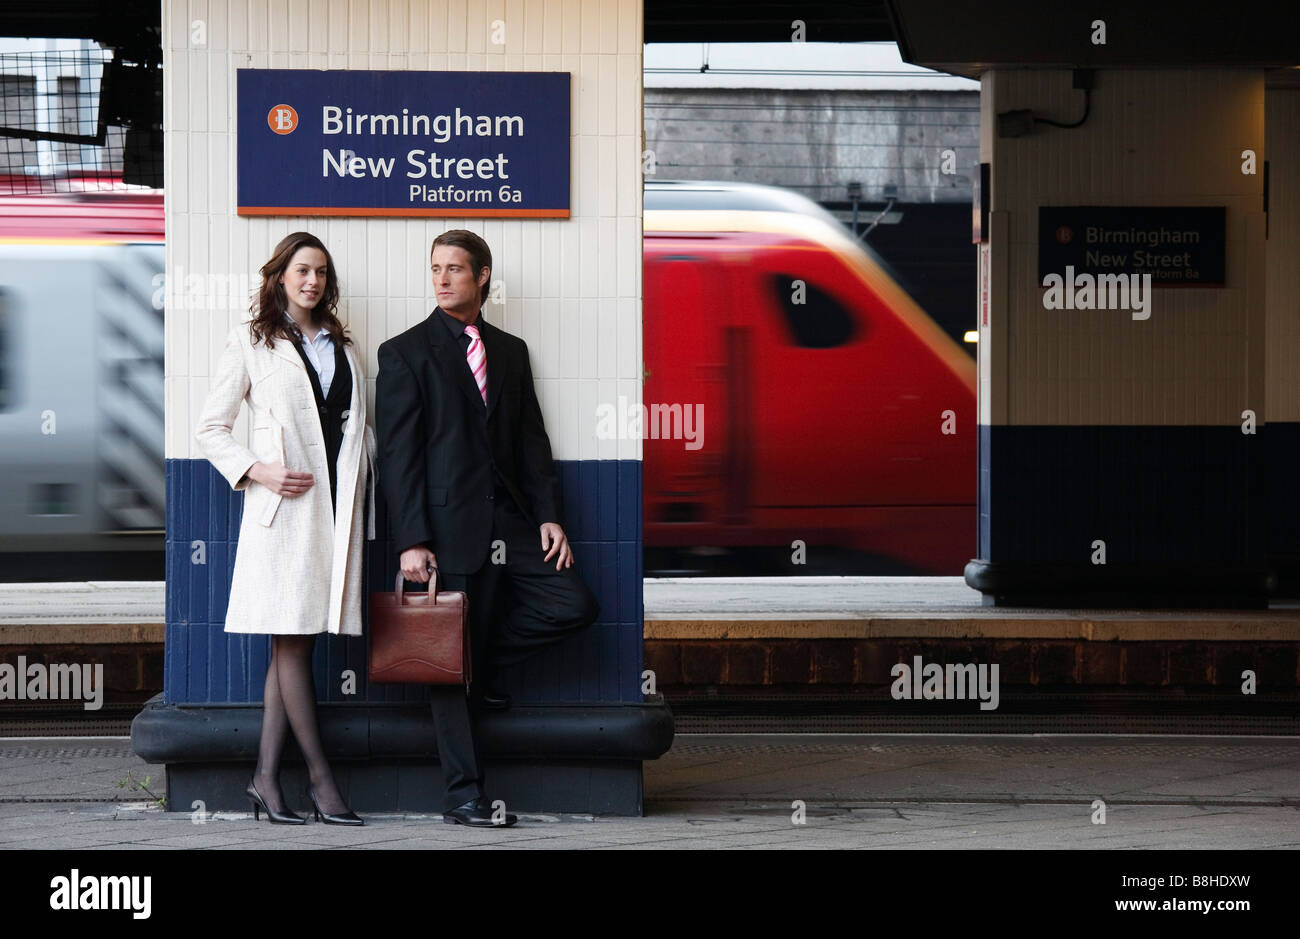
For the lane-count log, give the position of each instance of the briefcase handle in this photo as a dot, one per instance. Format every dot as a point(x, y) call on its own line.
point(433, 587)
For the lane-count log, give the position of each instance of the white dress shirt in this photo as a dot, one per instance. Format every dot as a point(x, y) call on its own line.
point(320, 353)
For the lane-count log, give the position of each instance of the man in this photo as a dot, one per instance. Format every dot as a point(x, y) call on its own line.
point(464, 461)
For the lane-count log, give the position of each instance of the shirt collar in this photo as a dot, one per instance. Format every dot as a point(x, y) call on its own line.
point(323, 330)
point(456, 327)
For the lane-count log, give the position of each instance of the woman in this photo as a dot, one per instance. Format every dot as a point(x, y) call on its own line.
point(298, 565)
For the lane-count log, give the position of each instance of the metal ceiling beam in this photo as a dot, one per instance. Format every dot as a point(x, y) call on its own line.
point(968, 38)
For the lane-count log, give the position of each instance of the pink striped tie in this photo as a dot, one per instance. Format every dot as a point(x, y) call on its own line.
point(477, 360)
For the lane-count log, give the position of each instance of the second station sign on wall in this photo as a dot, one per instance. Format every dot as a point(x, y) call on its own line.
point(1182, 245)
point(401, 143)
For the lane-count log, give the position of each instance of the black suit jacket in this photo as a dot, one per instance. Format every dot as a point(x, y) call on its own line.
point(441, 452)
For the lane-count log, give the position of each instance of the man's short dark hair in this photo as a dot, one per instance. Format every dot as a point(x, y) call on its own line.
point(480, 255)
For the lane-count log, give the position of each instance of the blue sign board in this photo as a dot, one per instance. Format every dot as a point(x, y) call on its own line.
point(1176, 245)
point(401, 143)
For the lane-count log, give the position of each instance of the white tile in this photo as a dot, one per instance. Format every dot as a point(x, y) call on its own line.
point(515, 16)
point(529, 327)
point(629, 337)
point(606, 176)
point(534, 31)
point(589, 344)
point(479, 24)
point(570, 341)
point(221, 197)
point(530, 257)
point(569, 260)
point(219, 85)
point(587, 173)
point(236, 25)
point(607, 93)
point(629, 449)
point(175, 27)
point(630, 107)
point(629, 176)
point(336, 21)
point(453, 39)
point(588, 115)
point(549, 355)
point(607, 257)
point(590, 27)
point(588, 245)
point(609, 26)
point(588, 398)
point(631, 21)
point(177, 360)
point(607, 337)
point(511, 263)
point(178, 428)
point(606, 398)
point(552, 267)
point(568, 439)
point(569, 27)
point(270, 30)
point(628, 255)
point(300, 26)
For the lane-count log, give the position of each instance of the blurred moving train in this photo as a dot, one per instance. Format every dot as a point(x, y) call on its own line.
point(831, 409)
point(835, 411)
point(82, 480)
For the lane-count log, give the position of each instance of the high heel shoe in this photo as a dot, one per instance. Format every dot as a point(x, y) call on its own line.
point(281, 818)
point(347, 818)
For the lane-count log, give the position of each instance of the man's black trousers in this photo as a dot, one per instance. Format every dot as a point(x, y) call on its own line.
point(516, 609)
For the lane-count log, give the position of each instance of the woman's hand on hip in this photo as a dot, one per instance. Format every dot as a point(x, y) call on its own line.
point(280, 479)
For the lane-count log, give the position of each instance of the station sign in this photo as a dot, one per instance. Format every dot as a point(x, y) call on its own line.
point(1176, 245)
point(357, 142)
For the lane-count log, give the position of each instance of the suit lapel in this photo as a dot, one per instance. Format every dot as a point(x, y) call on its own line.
point(453, 360)
point(285, 350)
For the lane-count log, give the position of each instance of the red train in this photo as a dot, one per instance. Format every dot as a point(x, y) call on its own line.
point(834, 410)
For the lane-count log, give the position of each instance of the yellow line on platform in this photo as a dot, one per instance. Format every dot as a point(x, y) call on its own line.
point(1228, 627)
point(59, 634)
point(1165, 627)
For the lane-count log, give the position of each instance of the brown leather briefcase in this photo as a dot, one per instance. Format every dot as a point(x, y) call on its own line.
point(420, 638)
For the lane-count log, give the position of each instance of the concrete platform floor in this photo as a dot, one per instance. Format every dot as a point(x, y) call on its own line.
point(739, 791)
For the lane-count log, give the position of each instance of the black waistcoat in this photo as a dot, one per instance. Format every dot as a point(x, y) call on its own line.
point(332, 409)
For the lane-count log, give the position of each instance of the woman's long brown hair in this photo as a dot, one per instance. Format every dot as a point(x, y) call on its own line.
point(269, 306)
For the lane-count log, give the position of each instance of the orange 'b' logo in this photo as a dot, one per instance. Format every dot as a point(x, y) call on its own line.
point(282, 119)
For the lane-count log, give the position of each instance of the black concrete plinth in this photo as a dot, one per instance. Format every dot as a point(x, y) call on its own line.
point(575, 758)
point(1059, 585)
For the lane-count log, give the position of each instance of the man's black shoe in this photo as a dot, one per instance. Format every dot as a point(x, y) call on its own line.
point(477, 813)
point(494, 700)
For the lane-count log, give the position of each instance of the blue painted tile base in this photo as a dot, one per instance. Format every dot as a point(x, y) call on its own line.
point(1153, 494)
point(203, 663)
point(1183, 512)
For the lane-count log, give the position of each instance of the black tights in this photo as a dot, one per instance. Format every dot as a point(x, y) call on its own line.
point(290, 702)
